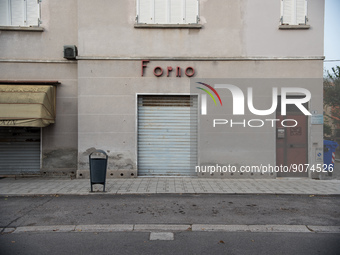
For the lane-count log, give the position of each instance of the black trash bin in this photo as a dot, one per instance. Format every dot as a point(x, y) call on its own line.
point(98, 166)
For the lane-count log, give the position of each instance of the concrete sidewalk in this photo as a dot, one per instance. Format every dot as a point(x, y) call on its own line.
point(45, 186)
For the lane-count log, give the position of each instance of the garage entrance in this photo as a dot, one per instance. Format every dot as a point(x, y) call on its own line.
point(19, 150)
point(167, 135)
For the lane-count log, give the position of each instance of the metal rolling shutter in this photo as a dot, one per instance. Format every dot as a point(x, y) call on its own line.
point(19, 150)
point(167, 135)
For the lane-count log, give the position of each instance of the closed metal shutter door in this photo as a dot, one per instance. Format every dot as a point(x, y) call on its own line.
point(19, 150)
point(167, 135)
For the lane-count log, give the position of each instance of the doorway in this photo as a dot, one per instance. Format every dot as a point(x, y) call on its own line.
point(292, 142)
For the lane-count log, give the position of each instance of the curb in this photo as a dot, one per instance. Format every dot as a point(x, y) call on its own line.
point(52, 228)
point(173, 228)
point(253, 228)
point(161, 227)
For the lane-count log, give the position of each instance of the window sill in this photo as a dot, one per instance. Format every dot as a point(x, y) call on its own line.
point(191, 26)
point(31, 29)
point(294, 26)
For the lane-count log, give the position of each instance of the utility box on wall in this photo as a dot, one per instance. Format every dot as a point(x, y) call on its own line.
point(70, 51)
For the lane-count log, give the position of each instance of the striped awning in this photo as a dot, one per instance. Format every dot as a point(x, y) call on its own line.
point(27, 105)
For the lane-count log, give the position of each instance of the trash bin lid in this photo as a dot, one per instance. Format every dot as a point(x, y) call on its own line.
point(97, 152)
point(330, 144)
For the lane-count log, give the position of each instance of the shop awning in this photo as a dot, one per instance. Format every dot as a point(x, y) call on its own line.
point(27, 105)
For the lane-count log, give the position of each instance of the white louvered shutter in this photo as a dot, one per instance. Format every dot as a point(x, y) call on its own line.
point(161, 7)
point(167, 11)
point(287, 11)
point(145, 7)
point(301, 12)
point(294, 12)
point(4, 13)
point(17, 13)
point(191, 11)
point(176, 12)
point(32, 13)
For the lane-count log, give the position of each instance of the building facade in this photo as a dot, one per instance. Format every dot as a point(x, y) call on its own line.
point(129, 86)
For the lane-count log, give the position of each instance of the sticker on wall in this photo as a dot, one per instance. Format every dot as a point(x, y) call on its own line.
point(318, 154)
point(317, 119)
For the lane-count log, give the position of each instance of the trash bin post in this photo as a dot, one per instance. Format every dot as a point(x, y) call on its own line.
point(98, 168)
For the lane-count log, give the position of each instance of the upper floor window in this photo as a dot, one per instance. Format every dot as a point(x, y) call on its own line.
point(167, 11)
point(22, 13)
point(293, 12)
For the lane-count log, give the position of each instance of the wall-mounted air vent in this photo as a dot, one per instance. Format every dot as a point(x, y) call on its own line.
point(70, 51)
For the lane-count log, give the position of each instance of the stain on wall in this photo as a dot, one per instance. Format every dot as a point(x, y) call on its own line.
point(65, 158)
point(116, 161)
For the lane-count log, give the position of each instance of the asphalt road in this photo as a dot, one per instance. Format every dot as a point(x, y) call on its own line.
point(184, 243)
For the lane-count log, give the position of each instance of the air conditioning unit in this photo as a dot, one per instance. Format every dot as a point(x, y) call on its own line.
point(70, 51)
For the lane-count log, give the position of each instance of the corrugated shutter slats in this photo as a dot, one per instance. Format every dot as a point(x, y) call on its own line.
point(167, 135)
point(19, 150)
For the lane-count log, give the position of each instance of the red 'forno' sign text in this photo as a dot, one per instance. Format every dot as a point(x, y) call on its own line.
point(159, 71)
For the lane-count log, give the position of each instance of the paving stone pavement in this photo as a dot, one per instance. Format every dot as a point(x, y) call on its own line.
point(143, 185)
